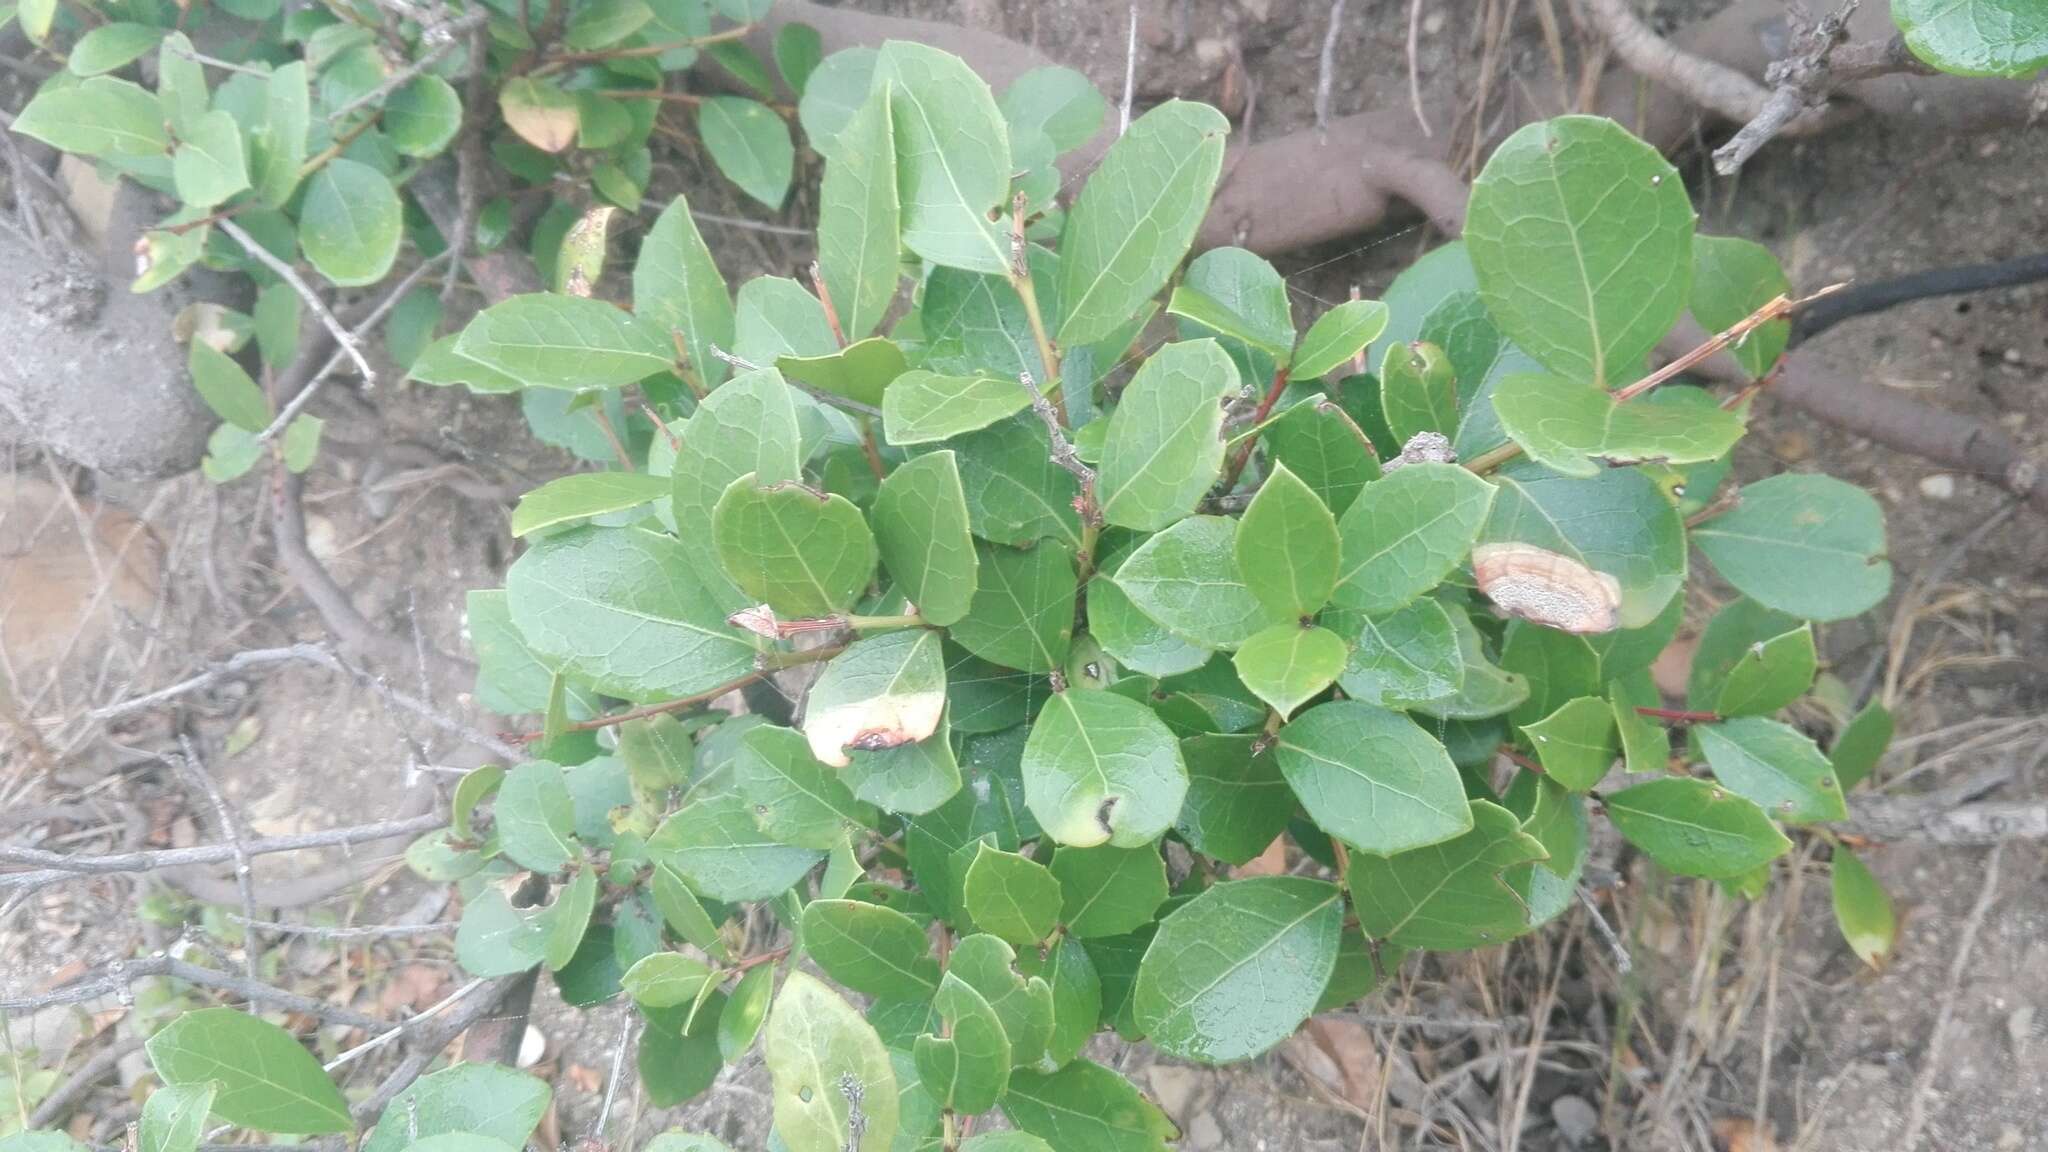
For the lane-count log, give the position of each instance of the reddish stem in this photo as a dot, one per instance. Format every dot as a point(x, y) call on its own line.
point(1244, 454)
point(768, 957)
point(1680, 715)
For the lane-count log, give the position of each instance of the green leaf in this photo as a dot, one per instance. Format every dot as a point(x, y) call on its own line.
point(422, 117)
point(1099, 767)
point(1372, 778)
point(1238, 799)
point(1862, 910)
point(180, 84)
point(873, 950)
point(1418, 390)
point(1187, 579)
point(1861, 744)
point(750, 144)
point(1731, 278)
point(1136, 217)
point(1023, 1004)
point(1322, 445)
point(1578, 429)
point(1133, 639)
point(1288, 665)
point(686, 1141)
point(602, 23)
point(227, 389)
point(350, 227)
point(798, 50)
point(535, 817)
point(718, 847)
point(1406, 532)
point(1449, 896)
point(910, 778)
point(1976, 37)
point(1557, 666)
point(860, 371)
point(1645, 746)
point(1770, 675)
point(748, 426)
point(1808, 545)
point(1337, 336)
point(676, 1063)
point(1106, 890)
point(1058, 102)
point(858, 216)
point(1022, 614)
point(1239, 298)
point(881, 693)
point(1209, 315)
point(1694, 828)
point(666, 979)
point(684, 913)
point(952, 157)
point(778, 317)
point(106, 48)
point(1581, 236)
point(277, 147)
point(1776, 766)
point(267, 1079)
point(174, 1116)
point(1405, 656)
point(1235, 970)
point(745, 1012)
point(99, 117)
point(1556, 819)
point(967, 1068)
point(583, 495)
point(1011, 897)
point(1066, 968)
point(626, 611)
point(1165, 445)
point(496, 939)
point(1085, 1107)
point(37, 17)
point(1577, 743)
point(568, 919)
point(548, 340)
point(801, 551)
point(920, 525)
point(1618, 522)
point(796, 799)
point(921, 407)
point(825, 1062)
point(1287, 547)
point(486, 1099)
point(1015, 493)
point(677, 288)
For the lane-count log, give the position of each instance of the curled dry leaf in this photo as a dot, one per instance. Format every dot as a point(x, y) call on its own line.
point(1546, 588)
point(760, 620)
point(873, 724)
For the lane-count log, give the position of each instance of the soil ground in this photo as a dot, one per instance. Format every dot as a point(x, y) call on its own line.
point(1741, 1023)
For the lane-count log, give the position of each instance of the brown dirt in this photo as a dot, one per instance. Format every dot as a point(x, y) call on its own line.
point(1846, 1045)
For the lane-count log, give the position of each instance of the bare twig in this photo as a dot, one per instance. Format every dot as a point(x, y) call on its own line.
point(1415, 66)
point(55, 866)
point(1615, 948)
point(1123, 120)
point(427, 1042)
point(1930, 1063)
point(1800, 83)
point(194, 769)
point(387, 1036)
point(113, 980)
point(1063, 451)
point(407, 74)
point(359, 932)
point(342, 336)
point(750, 225)
point(611, 1085)
point(1326, 65)
point(60, 1099)
point(304, 396)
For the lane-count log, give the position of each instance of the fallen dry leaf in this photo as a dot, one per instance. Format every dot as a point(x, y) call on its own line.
point(1271, 862)
point(1340, 1052)
point(584, 1078)
point(1672, 669)
point(1738, 1134)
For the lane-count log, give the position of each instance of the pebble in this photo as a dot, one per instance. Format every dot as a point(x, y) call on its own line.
point(1203, 1134)
point(1174, 1087)
point(1939, 486)
point(532, 1046)
point(2019, 1028)
point(1576, 1120)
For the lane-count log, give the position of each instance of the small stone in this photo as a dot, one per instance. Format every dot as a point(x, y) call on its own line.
point(1174, 1087)
point(1211, 51)
point(1939, 486)
point(532, 1046)
point(2019, 1028)
point(2012, 356)
point(1203, 1134)
point(1434, 22)
point(2010, 1138)
point(1576, 1120)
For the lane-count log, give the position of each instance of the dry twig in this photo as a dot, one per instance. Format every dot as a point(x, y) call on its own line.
point(193, 768)
point(1930, 1064)
point(114, 978)
point(290, 275)
point(53, 867)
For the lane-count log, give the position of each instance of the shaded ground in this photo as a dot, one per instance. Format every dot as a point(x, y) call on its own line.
point(1724, 996)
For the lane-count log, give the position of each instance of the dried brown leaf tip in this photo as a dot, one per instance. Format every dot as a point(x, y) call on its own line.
point(1544, 587)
